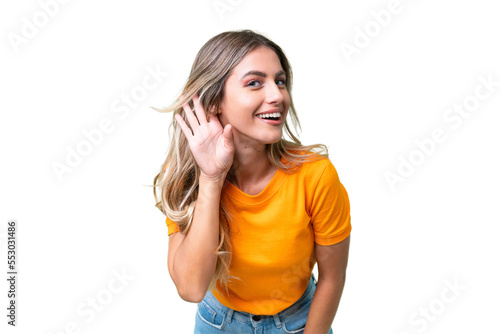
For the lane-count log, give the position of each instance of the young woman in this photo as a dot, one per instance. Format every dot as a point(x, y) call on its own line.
point(250, 213)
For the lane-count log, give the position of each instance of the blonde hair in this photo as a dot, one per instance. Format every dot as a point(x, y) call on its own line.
point(179, 175)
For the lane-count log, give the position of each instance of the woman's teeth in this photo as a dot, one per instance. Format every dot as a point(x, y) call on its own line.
point(273, 115)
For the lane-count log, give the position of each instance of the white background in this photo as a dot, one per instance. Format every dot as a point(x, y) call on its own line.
point(439, 225)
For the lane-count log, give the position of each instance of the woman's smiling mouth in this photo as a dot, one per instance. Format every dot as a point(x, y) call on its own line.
point(273, 118)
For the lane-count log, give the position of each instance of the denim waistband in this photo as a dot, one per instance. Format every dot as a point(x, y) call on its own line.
point(262, 319)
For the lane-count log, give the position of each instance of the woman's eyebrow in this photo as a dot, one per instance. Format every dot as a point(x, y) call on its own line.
point(262, 74)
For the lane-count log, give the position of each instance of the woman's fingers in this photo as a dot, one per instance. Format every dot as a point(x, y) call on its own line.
point(197, 116)
point(193, 121)
point(187, 131)
point(200, 113)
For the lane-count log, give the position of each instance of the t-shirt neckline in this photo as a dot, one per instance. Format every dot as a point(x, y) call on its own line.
point(269, 190)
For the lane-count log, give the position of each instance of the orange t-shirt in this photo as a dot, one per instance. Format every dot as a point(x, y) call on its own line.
point(273, 235)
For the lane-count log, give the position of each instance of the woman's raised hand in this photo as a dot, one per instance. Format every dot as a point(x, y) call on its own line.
point(212, 146)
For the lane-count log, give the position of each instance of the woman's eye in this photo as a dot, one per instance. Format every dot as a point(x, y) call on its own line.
point(257, 83)
point(253, 83)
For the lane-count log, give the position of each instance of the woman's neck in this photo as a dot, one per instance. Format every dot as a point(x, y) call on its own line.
point(251, 170)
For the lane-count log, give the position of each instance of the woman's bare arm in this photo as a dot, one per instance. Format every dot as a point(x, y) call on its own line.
point(191, 256)
point(332, 265)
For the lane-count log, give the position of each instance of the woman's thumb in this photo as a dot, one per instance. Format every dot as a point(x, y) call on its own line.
point(228, 137)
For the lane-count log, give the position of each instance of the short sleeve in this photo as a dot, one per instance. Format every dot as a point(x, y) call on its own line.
point(330, 209)
point(172, 227)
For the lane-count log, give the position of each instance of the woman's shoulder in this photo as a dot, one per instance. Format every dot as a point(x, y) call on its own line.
point(308, 161)
point(317, 164)
point(306, 156)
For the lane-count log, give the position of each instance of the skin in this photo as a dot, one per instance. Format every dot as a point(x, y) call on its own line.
point(245, 96)
point(232, 145)
point(332, 265)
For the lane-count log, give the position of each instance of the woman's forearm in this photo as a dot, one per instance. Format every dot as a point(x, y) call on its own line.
point(195, 258)
point(324, 305)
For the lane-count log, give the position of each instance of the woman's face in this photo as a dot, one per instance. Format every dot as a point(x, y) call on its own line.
point(256, 99)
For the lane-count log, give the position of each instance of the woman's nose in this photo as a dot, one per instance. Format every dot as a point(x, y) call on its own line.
point(274, 93)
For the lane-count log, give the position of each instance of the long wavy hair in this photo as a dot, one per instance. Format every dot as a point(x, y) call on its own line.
point(178, 179)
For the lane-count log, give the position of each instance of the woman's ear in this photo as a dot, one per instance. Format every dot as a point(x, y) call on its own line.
point(214, 111)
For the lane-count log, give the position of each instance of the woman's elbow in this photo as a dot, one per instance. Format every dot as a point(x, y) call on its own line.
point(191, 289)
point(191, 295)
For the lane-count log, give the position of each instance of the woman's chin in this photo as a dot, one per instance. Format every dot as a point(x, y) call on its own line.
point(275, 140)
point(272, 138)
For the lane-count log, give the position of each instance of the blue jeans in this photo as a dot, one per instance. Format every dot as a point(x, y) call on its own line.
point(213, 317)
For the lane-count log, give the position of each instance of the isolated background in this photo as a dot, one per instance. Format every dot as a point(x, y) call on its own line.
point(440, 225)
